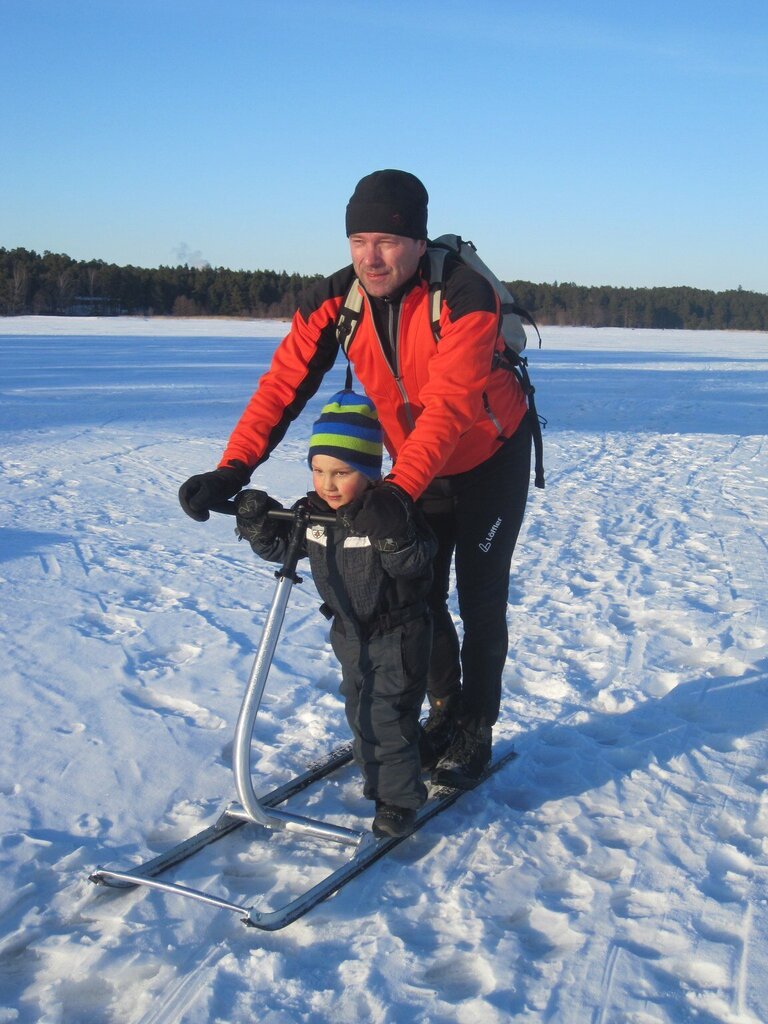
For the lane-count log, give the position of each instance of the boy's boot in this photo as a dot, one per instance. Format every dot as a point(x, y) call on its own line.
point(438, 729)
point(392, 822)
point(466, 758)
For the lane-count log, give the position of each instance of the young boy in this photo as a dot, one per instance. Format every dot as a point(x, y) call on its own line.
point(374, 588)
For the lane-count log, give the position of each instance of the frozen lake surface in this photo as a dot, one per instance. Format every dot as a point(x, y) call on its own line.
point(615, 873)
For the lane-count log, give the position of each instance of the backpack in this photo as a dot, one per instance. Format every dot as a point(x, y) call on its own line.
point(512, 315)
point(512, 330)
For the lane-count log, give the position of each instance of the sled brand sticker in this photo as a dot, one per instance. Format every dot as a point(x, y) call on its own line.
point(486, 544)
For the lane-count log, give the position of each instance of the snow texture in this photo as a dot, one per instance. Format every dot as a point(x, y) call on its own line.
point(615, 873)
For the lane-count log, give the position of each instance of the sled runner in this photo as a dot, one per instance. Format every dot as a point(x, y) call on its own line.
point(267, 811)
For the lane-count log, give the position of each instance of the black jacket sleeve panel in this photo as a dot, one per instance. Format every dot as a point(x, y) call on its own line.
point(466, 291)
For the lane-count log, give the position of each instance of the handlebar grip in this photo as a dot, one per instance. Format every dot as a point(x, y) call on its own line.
point(224, 508)
point(228, 508)
point(324, 518)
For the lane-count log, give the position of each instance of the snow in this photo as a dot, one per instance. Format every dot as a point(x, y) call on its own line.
point(615, 873)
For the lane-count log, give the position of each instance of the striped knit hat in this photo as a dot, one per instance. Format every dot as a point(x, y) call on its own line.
point(348, 429)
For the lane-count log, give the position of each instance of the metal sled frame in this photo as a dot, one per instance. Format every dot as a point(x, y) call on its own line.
point(266, 811)
point(370, 850)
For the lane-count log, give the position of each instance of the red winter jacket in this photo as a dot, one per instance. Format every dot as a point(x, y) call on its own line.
point(442, 407)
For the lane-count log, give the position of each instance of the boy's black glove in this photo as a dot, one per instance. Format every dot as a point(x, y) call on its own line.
point(200, 493)
point(383, 514)
point(251, 509)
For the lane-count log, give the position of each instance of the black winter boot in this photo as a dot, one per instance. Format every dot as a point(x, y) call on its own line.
point(465, 759)
point(438, 729)
point(391, 821)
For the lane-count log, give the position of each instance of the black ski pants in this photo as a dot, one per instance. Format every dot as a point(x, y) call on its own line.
point(476, 517)
point(384, 680)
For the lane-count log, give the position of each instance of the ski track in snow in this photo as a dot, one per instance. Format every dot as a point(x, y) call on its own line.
point(615, 873)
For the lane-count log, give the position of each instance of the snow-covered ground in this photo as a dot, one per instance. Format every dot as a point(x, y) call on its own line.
point(615, 873)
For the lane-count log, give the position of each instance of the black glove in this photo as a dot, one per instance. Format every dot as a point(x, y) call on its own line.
point(251, 508)
point(383, 514)
point(200, 493)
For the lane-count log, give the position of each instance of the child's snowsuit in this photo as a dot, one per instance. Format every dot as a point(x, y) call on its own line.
point(381, 633)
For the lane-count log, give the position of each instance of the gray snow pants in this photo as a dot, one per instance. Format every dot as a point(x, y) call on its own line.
point(384, 681)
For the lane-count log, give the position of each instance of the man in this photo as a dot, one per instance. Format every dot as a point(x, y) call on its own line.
point(455, 423)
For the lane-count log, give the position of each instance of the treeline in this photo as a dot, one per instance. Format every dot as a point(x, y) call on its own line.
point(689, 308)
point(55, 284)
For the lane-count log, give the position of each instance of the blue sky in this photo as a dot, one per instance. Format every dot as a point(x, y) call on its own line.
point(621, 143)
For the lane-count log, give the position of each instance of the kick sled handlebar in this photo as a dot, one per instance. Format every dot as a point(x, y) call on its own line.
point(301, 517)
point(306, 515)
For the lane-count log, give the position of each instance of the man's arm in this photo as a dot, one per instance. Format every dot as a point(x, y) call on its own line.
point(298, 366)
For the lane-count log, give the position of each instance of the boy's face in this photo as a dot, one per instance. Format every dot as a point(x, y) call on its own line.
point(336, 482)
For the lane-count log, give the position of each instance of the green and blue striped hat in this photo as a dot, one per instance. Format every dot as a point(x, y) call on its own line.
point(348, 429)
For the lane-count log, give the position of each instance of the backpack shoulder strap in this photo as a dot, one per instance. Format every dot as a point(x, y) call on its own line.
point(347, 320)
point(438, 249)
point(518, 365)
point(348, 317)
point(437, 254)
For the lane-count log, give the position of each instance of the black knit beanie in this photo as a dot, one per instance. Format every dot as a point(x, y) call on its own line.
point(390, 202)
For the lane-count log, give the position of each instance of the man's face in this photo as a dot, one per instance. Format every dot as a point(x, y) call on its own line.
point(384, 262)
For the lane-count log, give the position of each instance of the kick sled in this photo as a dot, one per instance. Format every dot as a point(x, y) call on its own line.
point(267, 811)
